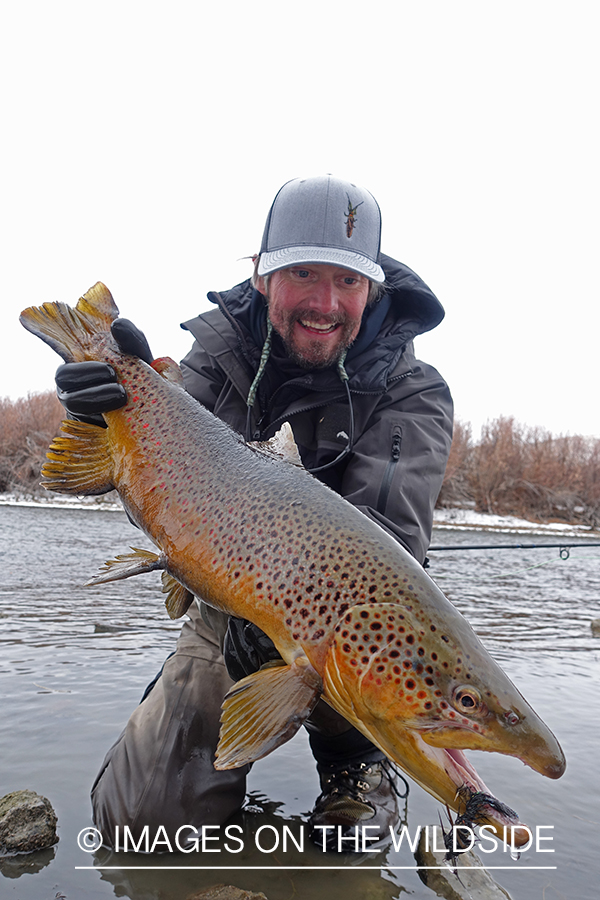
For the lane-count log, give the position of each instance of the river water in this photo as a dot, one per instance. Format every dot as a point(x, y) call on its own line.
point(74, 662)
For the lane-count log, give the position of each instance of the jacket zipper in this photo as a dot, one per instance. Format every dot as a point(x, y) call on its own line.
point(388, 475)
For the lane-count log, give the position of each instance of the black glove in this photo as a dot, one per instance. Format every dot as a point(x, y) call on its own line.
point(246, 648)
point(87, 389)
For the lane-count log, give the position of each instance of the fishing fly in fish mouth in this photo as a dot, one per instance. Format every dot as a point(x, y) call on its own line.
point(324, 617)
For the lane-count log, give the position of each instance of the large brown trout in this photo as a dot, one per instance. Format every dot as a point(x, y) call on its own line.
point(355, 618)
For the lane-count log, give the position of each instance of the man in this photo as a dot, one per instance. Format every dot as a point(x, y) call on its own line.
point(316, 340)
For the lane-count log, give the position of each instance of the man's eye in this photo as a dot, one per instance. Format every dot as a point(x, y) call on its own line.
point(350, 280)
point(302, 273)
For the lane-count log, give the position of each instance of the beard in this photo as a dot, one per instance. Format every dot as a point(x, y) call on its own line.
point(315, 353)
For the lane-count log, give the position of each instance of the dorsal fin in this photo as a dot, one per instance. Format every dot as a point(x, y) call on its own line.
point(281, 446)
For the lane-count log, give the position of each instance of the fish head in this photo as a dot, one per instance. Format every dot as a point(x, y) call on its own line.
point(423, 688)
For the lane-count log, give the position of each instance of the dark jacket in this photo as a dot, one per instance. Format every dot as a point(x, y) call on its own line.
point(402, 407)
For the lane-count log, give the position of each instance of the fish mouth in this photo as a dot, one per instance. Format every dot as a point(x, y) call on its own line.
point(531, 742)
point(428, 766)
point(447, 774)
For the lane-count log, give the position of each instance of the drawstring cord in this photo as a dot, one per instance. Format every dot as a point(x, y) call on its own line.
point(264, 356)
point(350, 436)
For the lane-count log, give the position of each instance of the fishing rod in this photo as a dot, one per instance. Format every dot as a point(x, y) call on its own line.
point(564, 547)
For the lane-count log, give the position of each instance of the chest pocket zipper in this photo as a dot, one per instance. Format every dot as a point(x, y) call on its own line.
point(388, 475)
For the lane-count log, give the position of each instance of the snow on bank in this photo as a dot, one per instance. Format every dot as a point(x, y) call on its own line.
point(107, 502)
point(469, 520)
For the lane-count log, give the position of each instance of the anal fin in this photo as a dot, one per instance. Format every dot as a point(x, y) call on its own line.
point(264, 710)
point(128, 564)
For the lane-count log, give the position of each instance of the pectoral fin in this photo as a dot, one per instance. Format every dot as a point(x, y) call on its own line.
point(264, 710)
point(128, 564)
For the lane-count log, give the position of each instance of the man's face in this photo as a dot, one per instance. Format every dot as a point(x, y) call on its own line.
point(317, 310)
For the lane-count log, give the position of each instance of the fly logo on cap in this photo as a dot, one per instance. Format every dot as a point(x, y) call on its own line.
point(351, 216)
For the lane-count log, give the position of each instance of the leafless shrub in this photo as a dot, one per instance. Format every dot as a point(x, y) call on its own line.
point(517, 470)
point(456, 487)
point(27, 426)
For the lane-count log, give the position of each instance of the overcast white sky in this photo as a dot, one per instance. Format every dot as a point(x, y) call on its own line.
point(142, 144)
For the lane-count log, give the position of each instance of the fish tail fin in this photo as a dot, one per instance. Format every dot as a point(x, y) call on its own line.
point(78, 460)
point(68, 330)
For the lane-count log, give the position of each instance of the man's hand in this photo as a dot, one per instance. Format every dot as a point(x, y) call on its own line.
point(246, 648)
point(131, 340)
point(88, 389)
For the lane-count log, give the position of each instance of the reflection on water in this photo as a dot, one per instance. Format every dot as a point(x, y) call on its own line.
point(74, 662)
point(284, 872)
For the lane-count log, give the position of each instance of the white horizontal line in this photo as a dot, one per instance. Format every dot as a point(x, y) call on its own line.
point(348, 868)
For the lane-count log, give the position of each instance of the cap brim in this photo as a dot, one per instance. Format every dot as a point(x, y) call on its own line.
point(346, 259)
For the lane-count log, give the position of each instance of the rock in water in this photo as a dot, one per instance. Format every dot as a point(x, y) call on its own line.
point(474, 881)
point(226, 892)
point(27, 822)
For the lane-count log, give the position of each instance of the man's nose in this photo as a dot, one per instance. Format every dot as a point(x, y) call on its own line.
point(325, 296)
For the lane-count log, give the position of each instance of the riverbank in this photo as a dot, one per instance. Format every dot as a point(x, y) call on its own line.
point(446, 518)
point(469, 520)
point(105, 502)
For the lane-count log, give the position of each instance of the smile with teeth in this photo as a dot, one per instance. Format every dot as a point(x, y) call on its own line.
point(320, 327)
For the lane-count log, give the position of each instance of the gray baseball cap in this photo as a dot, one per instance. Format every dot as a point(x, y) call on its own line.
point(323, 220)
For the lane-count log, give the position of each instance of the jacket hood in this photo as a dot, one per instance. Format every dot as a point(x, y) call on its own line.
point(407, 308)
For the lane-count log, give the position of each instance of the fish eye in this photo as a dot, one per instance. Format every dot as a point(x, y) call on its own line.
point(467, 700)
